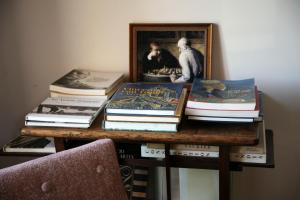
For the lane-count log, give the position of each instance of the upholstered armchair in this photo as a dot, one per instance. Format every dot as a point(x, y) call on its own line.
point(87, 172)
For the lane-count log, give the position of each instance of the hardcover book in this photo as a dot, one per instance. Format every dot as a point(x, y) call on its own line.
point(251, 114)
point(57, 124)
point(140, 126)
point(106, 96)
point(66, 110)
point(224, 119)
point(87, 82)
point(223, 95)
point(30, 145)
point(150, 118)
point(146, 99)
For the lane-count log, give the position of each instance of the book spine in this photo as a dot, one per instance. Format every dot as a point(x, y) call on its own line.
point(196, 147)
point(236, 157)
point(160, 153)
point(191, 147)
point(248, 158)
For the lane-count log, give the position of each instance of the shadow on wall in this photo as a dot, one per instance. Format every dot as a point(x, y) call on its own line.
point(218, 66)
point(284, 121)
point(11, 79)
point(31, 56)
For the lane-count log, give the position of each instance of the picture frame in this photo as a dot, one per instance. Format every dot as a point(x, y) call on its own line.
point(159, 52)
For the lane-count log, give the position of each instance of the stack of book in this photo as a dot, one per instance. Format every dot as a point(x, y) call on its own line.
point(245, 154)
point(65, 112)
point(76, 99)
point(145, 107)
point(224, 101)
point(87, 84)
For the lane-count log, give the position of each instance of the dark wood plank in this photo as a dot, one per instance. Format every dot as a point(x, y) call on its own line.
point(168, 172)
point(181, 162)
point(24, 154)
point(59, 144)
point(224, 173)
point(190, 132)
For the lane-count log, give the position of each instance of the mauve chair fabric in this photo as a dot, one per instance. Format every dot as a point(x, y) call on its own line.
point(87, 172)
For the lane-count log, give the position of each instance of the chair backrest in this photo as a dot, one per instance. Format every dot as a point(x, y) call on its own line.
point(87, 172)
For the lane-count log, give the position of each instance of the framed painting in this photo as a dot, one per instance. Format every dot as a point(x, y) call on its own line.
point(170, 52)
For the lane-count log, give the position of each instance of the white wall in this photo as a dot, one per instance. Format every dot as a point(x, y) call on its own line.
point(40, 40)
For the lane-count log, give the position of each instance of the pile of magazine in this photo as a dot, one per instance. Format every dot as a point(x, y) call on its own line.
point(146, 107)
point(76, 99)
point(224, 101)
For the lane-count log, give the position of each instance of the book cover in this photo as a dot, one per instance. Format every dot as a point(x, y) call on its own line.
point(106, 96)
point(66, 109)
point(146, 99)
point(86, 82)
point(30, 145)
point(227, 94)
point(256, 113)
point(152, 118)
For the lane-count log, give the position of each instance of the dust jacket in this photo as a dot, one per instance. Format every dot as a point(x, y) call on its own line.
point(223, 95)
point(146, 99)
point(86, 82)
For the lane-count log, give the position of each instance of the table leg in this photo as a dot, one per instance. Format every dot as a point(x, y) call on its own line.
point(224, 173)
point(59, 144)
point(168, 175)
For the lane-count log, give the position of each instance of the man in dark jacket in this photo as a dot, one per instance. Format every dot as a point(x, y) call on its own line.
point(158, 58)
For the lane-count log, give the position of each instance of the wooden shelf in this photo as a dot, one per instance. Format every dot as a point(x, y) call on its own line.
point(205, 163)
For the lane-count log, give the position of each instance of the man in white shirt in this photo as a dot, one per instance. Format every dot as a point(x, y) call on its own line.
point(190, 60)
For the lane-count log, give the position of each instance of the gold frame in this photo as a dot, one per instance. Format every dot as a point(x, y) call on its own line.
point(134, 27)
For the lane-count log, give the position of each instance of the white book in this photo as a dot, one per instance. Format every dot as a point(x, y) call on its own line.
point(256, 113)
point(57, 124)
point(31, 145)
point(134, 118)
point(220, 119)
point(67, 109)
point(87, 82)
point(139, 126)
point(107, 96)
point(222, 113)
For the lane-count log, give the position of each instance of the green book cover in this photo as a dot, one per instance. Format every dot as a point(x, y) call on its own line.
point(144, 96)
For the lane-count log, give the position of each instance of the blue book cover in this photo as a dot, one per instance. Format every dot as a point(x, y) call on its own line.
point(226, 91)
point(144, 96)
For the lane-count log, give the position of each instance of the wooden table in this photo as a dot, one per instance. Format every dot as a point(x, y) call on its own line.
point(190, 132)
